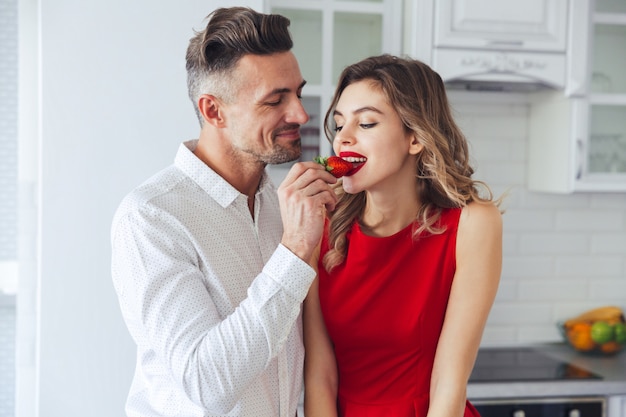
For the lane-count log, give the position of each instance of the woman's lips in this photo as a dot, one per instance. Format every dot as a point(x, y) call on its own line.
point(357, 160)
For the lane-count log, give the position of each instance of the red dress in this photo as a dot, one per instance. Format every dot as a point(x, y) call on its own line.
point(384, 309)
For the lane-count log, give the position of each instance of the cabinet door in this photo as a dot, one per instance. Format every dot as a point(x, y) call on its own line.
point(604, 147)
point(532, 25)
point(616, 406)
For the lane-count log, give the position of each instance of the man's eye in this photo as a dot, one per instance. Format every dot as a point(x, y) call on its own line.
point(274, 103)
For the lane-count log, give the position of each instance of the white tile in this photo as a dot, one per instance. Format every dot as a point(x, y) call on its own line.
point(605, 201)
point(527, 266)
point(495, 149)
point(555, 201)
point(554, 243)
point(498, 335)
point(534, 334)
point(553, 290)
point(510, 243)
point(509, 174)
point(589, 266)
point(609, 291)
point(589, 220)
point(528, 219)
point(507, 290)
point(519, 313)
point(608, 243)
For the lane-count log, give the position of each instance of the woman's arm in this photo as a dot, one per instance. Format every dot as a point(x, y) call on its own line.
point(320, 369)
point(479, 264)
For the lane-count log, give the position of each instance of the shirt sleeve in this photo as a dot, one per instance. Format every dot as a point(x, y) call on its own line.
point(213, 359)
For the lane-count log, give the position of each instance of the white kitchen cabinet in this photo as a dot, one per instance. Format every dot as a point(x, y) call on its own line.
point(578, 143)
point(508, 43)
point(329, 35)
point(530, 25)
point(616, 406)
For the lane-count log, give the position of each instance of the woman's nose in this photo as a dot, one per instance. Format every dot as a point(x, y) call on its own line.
point(345, 136)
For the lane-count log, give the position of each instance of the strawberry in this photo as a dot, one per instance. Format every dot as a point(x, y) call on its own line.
point(335, 165)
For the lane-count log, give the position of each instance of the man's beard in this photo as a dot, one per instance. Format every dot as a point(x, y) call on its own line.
point(281, 154)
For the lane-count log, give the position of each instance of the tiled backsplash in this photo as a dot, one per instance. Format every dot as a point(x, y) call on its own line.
point(562, 253)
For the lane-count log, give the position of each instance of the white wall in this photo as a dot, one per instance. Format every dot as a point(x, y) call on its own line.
point(113, 110)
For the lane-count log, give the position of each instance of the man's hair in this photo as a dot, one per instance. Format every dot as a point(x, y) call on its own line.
point(230, 34)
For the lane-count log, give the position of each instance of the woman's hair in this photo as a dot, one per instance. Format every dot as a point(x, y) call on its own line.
point(443, 172)
point(230, 34)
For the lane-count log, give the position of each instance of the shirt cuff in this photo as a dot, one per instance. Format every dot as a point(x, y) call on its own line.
point(290, 272)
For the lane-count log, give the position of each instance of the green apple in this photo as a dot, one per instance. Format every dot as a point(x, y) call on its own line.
point(601, 332)
point(619, 329)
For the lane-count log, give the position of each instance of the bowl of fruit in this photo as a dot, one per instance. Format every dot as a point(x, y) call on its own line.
point(601, 331)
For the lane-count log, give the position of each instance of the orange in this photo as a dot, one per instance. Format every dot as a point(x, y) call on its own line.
point(579, 335)
point(610, 347)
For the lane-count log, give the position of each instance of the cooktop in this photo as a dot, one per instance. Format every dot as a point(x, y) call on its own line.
point(517, 364)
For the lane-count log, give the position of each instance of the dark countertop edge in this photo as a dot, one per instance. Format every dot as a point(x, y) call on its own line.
point(611, 368)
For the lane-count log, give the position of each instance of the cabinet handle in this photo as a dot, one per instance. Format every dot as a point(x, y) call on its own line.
point(519, 413)
point(574, 413)
point(505, 43)
point(580, 149)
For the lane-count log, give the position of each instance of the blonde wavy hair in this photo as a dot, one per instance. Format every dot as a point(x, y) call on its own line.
point(443, 171)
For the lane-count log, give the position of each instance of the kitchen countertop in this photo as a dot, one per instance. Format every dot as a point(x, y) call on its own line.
point(611, 368)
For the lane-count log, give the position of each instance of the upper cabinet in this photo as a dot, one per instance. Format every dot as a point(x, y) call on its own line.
point(329, 35)
point(529, 25)
point(475, 42)
point(578, 143)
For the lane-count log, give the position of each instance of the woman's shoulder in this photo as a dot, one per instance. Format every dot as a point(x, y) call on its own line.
point(480, 218)
point(481, 211)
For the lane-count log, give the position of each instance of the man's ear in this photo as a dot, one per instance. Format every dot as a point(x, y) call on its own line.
point(415, 146)
point(211, 110)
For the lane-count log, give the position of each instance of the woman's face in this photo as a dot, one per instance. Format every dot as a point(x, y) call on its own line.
point(370, 133)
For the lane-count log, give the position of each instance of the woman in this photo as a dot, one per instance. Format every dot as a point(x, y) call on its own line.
point(410, 263)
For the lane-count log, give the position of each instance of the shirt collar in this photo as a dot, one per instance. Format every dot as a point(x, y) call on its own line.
point(212, 183)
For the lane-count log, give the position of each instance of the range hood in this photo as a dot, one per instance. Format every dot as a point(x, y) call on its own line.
point(482, 70)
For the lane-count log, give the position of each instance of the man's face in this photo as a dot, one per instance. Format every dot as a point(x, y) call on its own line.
point(264, 119)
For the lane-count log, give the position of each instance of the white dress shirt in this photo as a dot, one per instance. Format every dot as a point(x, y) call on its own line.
point(210, 297)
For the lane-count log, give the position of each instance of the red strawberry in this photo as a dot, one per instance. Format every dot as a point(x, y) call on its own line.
point(335, 165)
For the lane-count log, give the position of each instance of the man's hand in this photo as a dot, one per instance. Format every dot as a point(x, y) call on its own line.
point(305, 195)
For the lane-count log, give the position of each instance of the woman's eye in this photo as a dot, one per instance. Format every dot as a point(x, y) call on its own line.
point(338, 128)
point(368, 125)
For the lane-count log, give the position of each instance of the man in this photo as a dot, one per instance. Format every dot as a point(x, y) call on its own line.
point(209, 262)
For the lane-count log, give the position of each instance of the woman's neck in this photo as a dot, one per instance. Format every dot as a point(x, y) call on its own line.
point(387, 216)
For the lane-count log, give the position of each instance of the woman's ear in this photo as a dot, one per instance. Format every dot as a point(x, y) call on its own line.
point(210, 109)
point(415, 146)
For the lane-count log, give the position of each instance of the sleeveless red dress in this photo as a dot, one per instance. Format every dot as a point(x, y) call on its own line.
point(384, 309)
